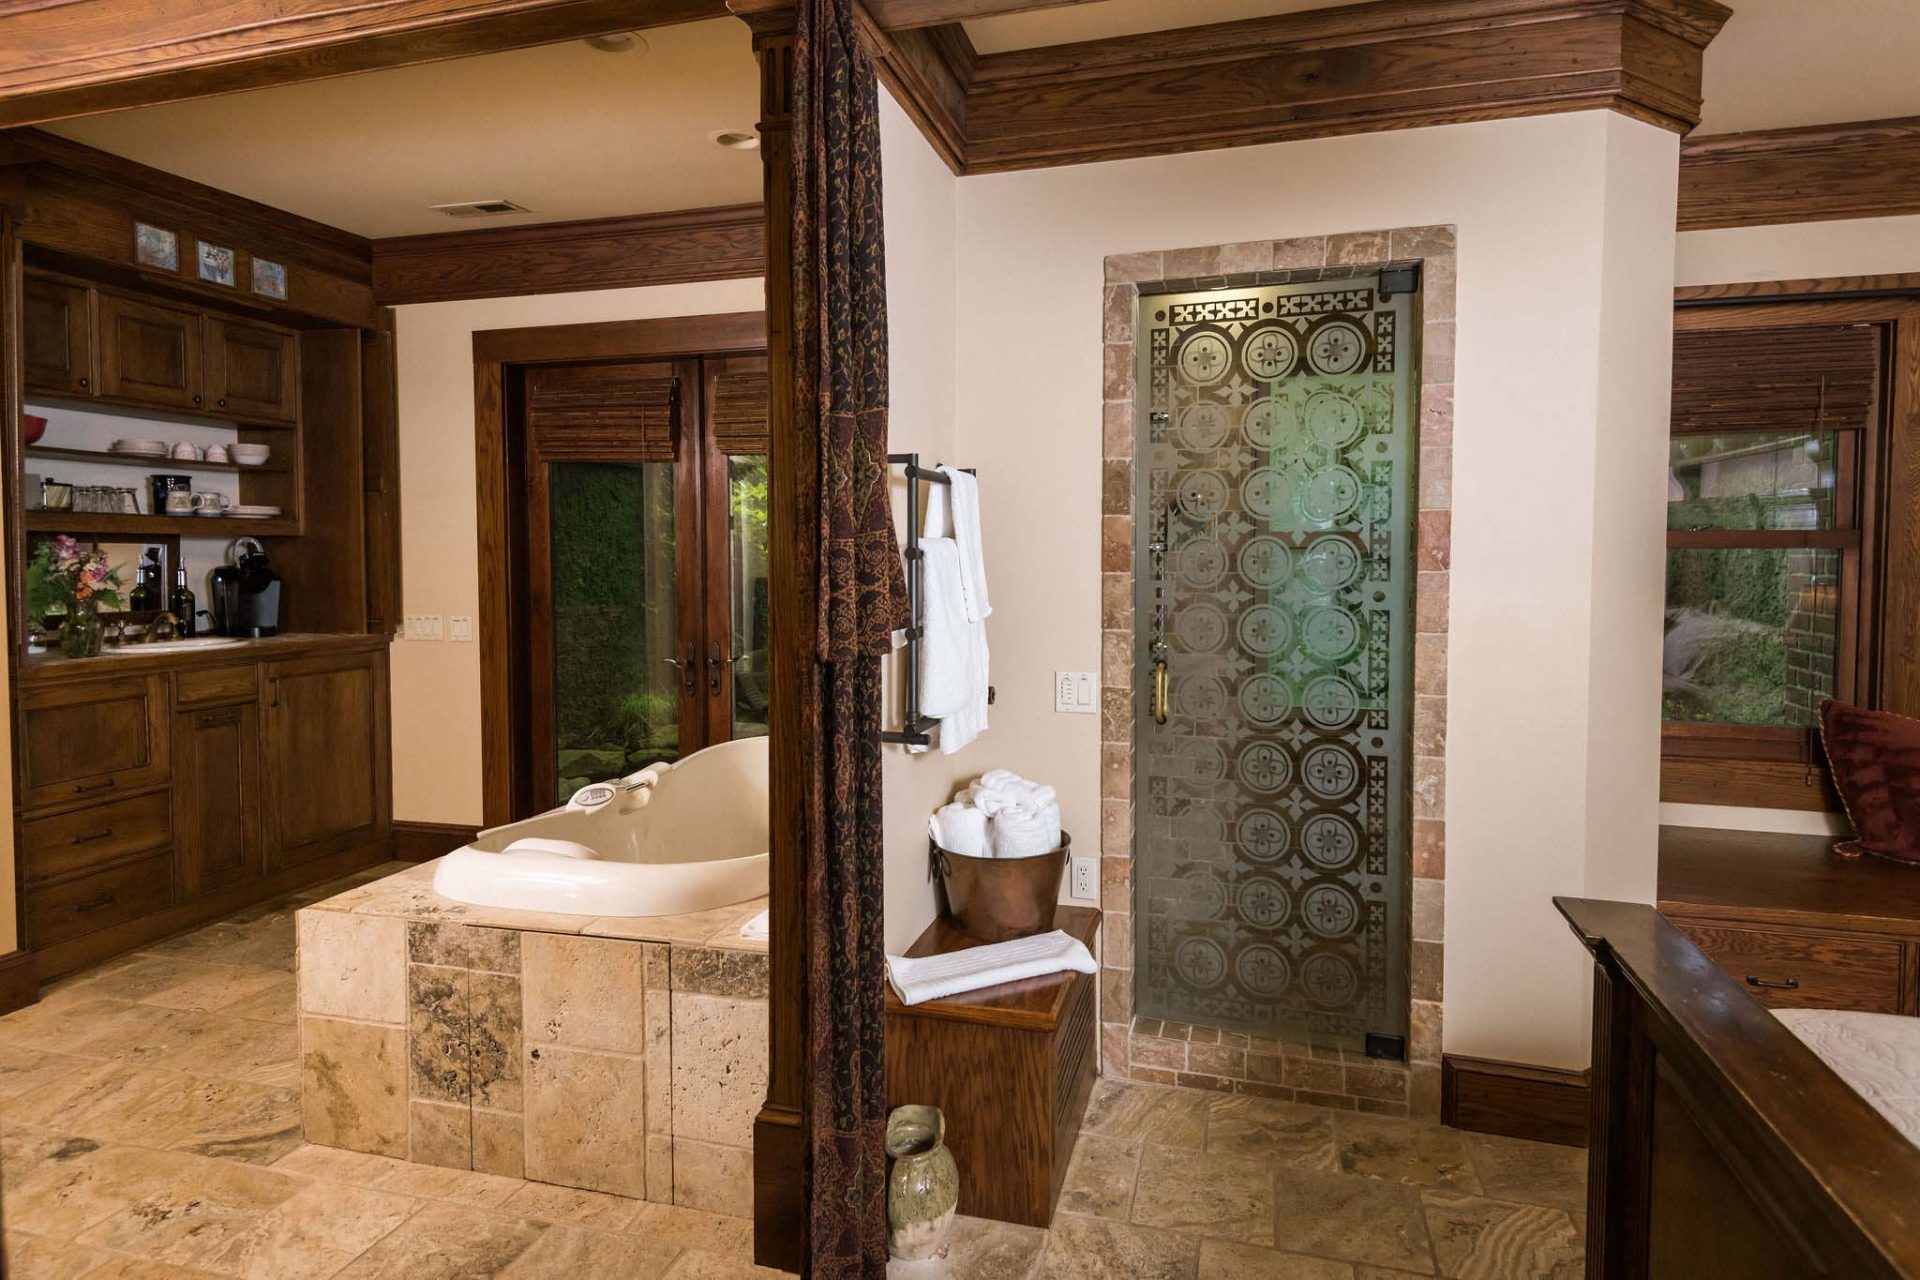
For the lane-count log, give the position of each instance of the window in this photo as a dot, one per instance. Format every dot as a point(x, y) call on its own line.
point(1786, 474)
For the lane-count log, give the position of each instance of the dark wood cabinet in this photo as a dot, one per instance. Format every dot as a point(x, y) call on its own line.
point(253, 370)
point(325, 756)
point(56, 337)
point(90, 742)
point(150, 352)
point(216, 796)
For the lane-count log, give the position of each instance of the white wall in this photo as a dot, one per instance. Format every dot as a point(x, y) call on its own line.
point(436, 684)
point(1793, 251)
point(1565, 228)
point(921, 202)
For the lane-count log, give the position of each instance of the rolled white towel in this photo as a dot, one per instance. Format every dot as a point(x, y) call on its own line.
point(1019, 832)
point(960, 828)
point(930, 977)
point(989, 800)
point(1050, 817)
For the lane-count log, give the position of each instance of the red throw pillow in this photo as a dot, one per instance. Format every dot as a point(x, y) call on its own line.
point(1875, 757)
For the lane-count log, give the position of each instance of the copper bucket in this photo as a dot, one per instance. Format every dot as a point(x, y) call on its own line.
point(994, 899)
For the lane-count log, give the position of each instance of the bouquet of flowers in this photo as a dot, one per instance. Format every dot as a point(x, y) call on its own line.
point(64, 572)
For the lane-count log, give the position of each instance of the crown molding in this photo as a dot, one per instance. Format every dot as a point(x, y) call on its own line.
point(685, 245)
point(1392, 64)
point(1866, 169)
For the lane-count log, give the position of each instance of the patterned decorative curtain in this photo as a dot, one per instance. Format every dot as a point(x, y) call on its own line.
point(840, 376)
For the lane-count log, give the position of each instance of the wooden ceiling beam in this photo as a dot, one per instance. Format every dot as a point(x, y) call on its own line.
point(904, 15)
point(87, 56)
point(1869, 169)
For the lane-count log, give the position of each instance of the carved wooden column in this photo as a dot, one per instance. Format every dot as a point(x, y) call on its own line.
point(779, 1133)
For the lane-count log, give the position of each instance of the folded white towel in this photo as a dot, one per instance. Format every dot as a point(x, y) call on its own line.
point(760, 928)
point(931, 977)
point(960, 828)
point(1020, 832)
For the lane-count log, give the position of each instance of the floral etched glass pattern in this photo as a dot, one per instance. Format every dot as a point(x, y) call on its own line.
point(1273, 535)
point(616, 700)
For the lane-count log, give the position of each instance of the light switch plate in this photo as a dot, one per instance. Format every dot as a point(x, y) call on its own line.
point(1076, 692)
point(423, 626)
point(460, 627)
point(1086, 878)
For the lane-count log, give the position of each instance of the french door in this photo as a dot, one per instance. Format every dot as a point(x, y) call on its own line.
point(646, 564)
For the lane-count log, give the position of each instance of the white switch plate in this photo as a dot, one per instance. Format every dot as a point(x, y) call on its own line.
point(423, 626)
point(460, 625)
point(1086, 878)
point(1077, 692)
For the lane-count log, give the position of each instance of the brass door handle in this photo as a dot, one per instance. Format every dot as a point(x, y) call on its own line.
point(689, 671)
point(1162, 701)
point(715, 664)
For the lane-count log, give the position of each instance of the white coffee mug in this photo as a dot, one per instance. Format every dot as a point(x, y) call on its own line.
point(180, 502)
point(211, 502)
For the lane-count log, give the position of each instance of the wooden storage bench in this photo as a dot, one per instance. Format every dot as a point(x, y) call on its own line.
point(1010, 1066)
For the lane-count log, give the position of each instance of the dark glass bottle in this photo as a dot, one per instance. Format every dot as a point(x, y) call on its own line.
point(146, 588)
point(182, 604)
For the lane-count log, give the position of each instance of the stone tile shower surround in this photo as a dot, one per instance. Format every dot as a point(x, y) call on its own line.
point(1231, 1062)
point(619, 1055)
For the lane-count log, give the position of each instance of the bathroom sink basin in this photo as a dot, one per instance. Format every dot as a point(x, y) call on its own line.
point(175, 646)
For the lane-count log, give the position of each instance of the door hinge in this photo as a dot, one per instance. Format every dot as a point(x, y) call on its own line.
point(1398, 280)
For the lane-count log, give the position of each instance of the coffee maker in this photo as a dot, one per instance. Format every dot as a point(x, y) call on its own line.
point(246, 592)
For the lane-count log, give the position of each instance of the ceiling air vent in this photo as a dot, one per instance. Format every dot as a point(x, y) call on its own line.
point(478, 208)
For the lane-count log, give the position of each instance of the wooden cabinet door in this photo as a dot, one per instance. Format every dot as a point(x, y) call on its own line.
point(150, 352)
point(216, 797)
point(325, 756)
point(253, 371)
point(95, 739)
point(56, 337)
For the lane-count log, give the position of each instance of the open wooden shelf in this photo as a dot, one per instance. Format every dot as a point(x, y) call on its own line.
point(184, 526)
point(146, 463)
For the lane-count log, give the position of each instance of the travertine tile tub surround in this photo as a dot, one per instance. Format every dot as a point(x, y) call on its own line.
point(615, 1054)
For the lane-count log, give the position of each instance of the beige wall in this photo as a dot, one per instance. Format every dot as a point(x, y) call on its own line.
point(1565, 231)
point(920, 195)
point(436, 684)
point(1794, 251)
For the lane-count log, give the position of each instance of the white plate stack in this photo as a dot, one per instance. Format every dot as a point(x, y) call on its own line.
point(140, 448)
point(252, 511)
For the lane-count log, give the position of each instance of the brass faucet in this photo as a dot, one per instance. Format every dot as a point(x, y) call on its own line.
point(164, 627)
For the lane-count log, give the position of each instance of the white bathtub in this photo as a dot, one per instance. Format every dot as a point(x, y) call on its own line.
point(692, 840)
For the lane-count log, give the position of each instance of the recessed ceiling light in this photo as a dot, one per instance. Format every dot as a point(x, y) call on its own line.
point(736, 139)
point(617, 42)
point(478, 208)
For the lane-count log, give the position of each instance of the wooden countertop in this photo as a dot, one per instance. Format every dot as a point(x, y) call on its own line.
point(1767, 878)
point(50, 668)
point(1030, 1002)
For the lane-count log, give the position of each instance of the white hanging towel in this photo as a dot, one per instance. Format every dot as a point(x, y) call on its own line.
point(932, 977)
point(965, 496)
point(953, 650)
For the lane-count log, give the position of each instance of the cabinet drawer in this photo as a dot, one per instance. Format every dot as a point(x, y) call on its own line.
point(69, 842)
point(1791, 970)
point(98, 901)
point(216, 686)
point(91, 740)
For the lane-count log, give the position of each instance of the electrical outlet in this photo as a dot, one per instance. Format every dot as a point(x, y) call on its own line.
point(1086, 878)
point(423, 626)
point(461, 627)
point(1076, 692)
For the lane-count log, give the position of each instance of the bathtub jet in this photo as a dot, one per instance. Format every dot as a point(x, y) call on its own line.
point(668, 840)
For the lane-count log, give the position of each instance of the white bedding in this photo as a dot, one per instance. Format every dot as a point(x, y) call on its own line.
point(1877, 1053)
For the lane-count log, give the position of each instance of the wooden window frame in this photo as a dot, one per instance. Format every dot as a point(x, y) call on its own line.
point(1878, 648)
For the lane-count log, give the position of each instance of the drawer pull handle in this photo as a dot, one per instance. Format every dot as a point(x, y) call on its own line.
point(1773, 984)
point(94, 904)
point(91, 836)
point(101, 785)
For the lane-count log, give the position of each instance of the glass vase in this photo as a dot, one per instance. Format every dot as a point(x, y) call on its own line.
point(83, 632)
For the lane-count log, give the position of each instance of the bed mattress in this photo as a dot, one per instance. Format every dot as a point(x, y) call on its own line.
point(1877, 1053)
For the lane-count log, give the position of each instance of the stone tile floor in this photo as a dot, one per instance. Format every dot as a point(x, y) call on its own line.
point(150, 1128)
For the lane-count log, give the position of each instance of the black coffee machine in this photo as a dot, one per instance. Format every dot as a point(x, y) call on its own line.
point(246, 593)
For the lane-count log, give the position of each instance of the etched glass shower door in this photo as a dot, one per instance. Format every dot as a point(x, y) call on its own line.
point(1274, 645)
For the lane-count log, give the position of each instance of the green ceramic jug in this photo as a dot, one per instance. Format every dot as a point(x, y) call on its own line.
point(923, 1187)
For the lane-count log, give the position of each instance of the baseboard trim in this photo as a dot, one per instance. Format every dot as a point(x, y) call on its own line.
point(19, 980)
point(1542, 1104)
point(419, 841)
